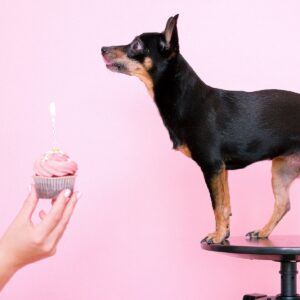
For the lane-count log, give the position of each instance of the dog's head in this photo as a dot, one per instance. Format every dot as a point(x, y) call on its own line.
point(147, 55)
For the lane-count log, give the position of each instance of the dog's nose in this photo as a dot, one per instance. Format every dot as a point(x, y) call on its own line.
point(104, 50)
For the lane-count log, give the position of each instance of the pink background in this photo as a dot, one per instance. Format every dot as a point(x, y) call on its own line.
point(136, 231)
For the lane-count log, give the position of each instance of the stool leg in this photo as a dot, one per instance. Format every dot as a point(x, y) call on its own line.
point(288, 273)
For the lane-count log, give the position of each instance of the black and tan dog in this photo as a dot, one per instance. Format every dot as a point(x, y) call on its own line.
point(220, 130)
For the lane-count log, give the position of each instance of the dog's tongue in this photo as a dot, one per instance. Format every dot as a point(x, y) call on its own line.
point(106, 60)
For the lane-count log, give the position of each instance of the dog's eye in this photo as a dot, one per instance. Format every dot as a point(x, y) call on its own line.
point(136, 46)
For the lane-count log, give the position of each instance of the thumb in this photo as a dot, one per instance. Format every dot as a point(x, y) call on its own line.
point(30, 203)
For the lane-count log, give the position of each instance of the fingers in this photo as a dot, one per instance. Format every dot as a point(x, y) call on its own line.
point(54, 216)
point(30, 203)
point(61, 226)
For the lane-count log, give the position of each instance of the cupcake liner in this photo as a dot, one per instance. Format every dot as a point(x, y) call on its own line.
point(50, 187)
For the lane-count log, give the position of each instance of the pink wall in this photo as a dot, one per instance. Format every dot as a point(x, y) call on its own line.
point(136, 231)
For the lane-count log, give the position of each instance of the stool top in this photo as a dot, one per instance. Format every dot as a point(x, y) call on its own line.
point(278, 248)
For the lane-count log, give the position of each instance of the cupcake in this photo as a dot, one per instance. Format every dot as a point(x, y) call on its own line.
point(54, 172)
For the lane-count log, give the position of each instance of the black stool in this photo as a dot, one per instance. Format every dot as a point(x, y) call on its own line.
point(283, 249)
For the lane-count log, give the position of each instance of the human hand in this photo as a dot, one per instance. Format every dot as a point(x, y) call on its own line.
point(25, 242)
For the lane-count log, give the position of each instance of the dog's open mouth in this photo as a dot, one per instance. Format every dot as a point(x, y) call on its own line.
point(116, 67)
point(112, 64)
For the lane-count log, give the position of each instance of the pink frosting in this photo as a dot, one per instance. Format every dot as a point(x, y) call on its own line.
point(55, 163)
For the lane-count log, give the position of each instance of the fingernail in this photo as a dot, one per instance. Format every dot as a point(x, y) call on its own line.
point(67, 193)
point(79, 194)
point(29, 188)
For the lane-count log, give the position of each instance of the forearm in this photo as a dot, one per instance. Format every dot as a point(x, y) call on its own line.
point(6, 269)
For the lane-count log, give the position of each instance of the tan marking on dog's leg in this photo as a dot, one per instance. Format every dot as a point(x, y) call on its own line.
point(227, 196)
point(222, 208)
point(283, 174)
point(185, 150)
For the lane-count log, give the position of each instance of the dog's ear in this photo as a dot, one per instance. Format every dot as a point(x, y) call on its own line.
point(171, 34)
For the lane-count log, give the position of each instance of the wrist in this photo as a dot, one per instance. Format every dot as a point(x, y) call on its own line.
point(7, 263)
point(7, 268)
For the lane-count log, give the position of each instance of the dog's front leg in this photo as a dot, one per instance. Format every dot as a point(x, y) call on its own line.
point(217, 183)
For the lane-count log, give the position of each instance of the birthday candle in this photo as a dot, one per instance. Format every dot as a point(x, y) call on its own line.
point(53, 121)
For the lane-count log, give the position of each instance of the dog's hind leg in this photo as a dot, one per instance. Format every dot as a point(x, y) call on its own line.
point(284, 171)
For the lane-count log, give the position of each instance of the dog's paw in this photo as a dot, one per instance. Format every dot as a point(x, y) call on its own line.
point(256, 235)
point(216, 238)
